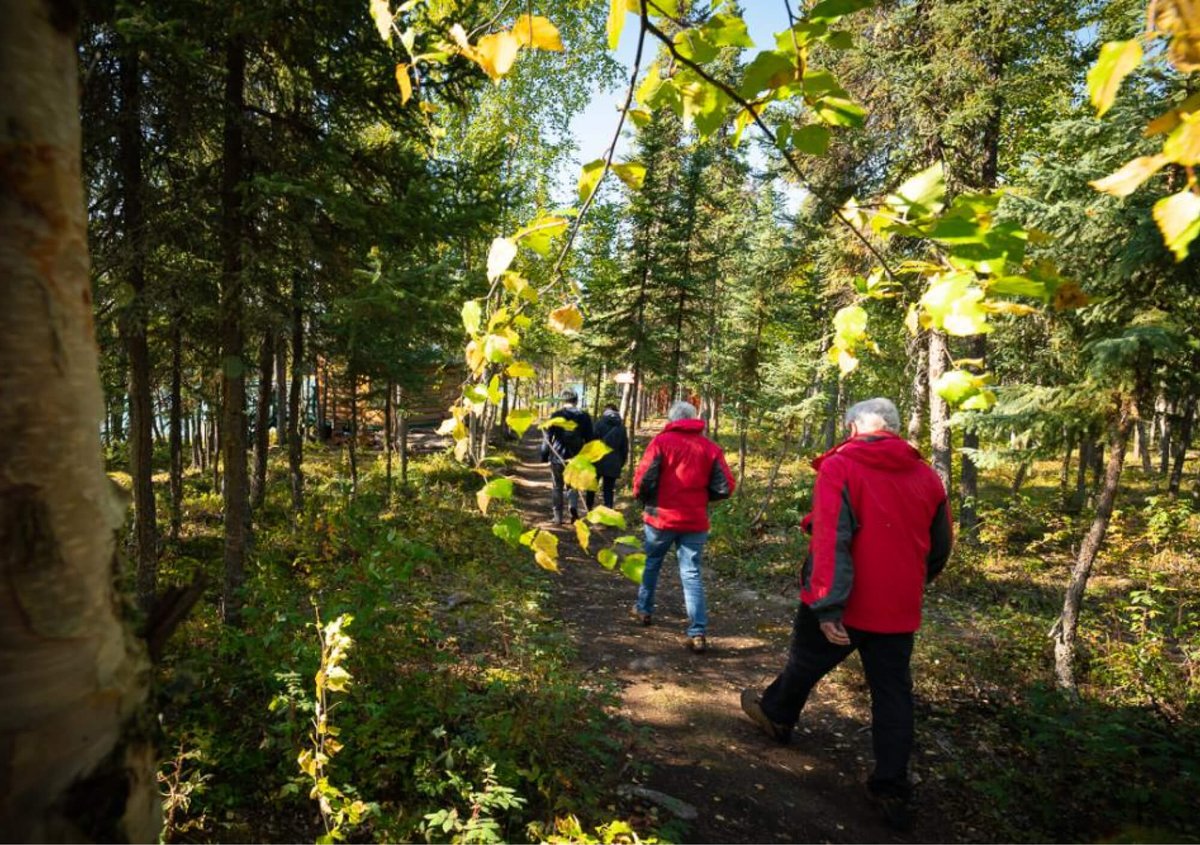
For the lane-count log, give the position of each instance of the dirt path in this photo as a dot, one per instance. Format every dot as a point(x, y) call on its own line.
point(695, 745)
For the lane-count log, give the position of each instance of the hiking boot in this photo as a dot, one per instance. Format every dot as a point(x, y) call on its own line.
point(696, 644)
point(639, 617)
point(894, 806)
point(752, 707)
point(574, 515)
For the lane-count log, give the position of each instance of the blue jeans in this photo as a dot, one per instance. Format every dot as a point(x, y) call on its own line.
point(689, 546)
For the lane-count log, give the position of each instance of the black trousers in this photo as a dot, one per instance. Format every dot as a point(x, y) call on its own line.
point(885, 659)
point(608, 484)
point(559, 484)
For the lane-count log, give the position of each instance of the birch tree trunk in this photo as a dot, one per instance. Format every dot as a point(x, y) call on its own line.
point(75, 754)
point(295, 430)
point(939, 412)
point(262, 419)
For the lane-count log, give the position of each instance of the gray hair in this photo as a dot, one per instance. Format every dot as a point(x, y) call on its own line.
point(682, 411)
point(874, 415)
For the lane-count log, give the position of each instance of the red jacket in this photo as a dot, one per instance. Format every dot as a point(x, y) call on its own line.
point(680, 472)
point(880, 529)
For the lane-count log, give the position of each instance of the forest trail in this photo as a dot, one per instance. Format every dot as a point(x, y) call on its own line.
point(692, 741)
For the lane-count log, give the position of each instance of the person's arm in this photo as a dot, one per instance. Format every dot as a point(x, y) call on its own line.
point(941, 539)
point(645, 478)
point(721, 483)
point(834, 524)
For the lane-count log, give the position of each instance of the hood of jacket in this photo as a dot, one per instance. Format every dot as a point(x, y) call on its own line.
point(686, 426)
point(881, 450)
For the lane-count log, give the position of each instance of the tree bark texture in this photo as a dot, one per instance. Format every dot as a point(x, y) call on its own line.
point(919, 352)
point(76, 764)
point(176, 429)
point(968, 514)
point(262, 419)
point(281, 388)
point(1182, 443)
point(295, 430)
point(141, 411)
point(939, 411)
point(233, 369)
point(1065, 630)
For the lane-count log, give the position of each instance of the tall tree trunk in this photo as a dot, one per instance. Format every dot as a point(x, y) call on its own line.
point(939, 412)
point(403, 414)
point(389, 435)
point(1165, 434)
point(352, 379)
point(141, 410)
point(1141, 446)
point(233, 369)
point(1182, 443)
point(281, 388)
point(1064, 474)
point(176, 428)
point(295, 432)
point(262, 419)
point(1065, 629)
point(968, 514)
point(74, 746)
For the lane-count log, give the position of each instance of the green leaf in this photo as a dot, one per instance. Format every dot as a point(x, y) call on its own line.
point(628, 540)
point(607, 558)
point(1018, 286)
point(839, 40)
point(838, 111)
point(494, 393)
point(497, 488)
point(519, 420)
point(497, 349)
point(640, 117)
point(726, 30)
point(590, 178)
point(605, 515)
point(633, 566)
point(508, 530)
point(817, 83)
point(1178, 218)
point(704, 104)
point(850, 323)
point(830, 10)
point(1117, 60)
point(692, 44)
point(812, 138)
point(956, 385)
point(921, 196)
point(769, 69)
point(539, 234)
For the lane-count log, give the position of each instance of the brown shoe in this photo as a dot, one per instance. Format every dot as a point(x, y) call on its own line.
point(696, 644)
point(752, 707)
point(639, 617)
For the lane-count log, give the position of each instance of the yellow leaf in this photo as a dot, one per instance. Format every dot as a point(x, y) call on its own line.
point(521, 369)
point(497, 52)
point(566, 320)
point(381, 13)
point(404, 82)
point(1117, 60)
point(546, 561)
point(1178, 218)
point(616, 22)
point(631, 173)
point(500, 256)
point(582, 533)
point(537, 31)
point(846, 362)
point(1130, 177)
point(1183, 144)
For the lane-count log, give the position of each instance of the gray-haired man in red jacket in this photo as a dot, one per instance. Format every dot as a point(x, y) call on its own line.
point(881, 531)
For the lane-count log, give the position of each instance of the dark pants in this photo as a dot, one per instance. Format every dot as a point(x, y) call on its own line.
point(885, 659)
point(556, 470)
point(609, 485)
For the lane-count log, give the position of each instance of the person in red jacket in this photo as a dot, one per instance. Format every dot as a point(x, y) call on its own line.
point(681, 472)
point(881, 531)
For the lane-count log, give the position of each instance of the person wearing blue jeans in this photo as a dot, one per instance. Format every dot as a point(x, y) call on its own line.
point(689, 546)
point(680, 473)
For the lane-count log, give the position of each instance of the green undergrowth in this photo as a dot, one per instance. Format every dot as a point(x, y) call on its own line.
point(464, 720)
point(1000, 751)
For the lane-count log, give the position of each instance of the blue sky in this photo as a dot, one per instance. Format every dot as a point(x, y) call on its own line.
point(593, 128)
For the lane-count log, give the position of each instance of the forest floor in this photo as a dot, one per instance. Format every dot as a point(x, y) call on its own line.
point(693, 743)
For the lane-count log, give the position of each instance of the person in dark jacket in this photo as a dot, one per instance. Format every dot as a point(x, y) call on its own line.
point(681, 472)
point(560, 444)
point(611, 430)
point(881, 531)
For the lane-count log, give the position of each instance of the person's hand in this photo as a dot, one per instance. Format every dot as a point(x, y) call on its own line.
point(835, 632)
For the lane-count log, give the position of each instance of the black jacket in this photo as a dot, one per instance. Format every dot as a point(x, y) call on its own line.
point(560, 445)
point(611, 430)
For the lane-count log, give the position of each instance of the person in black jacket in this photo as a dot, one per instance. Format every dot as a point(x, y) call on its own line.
point(611, 430)
point(561, 443)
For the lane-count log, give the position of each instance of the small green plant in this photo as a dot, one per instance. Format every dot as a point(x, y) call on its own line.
point(339, 811)
point(180, 779)
point(568, 830)
point(479, 823)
